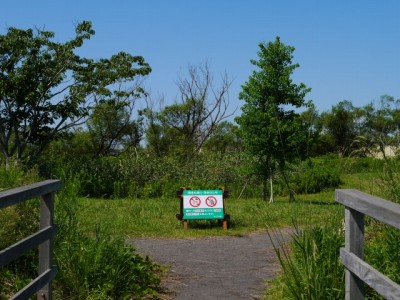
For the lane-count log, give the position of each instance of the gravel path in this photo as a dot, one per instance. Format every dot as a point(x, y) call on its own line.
point(214, 267)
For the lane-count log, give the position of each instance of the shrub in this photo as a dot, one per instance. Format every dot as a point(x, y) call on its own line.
point(99, 266)
point(103, 265)
point(352, 165)
point(89, 267)
point(314, 177)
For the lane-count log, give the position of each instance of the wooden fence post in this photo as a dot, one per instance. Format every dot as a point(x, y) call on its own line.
point(46, 248)
point(354, 243)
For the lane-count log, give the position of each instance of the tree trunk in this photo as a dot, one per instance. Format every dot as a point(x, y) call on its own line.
point(291, 192)
point(7, 161)
point(271, 197)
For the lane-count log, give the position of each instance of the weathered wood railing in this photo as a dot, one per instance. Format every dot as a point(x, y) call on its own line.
point(42, 238)
point(358, 272)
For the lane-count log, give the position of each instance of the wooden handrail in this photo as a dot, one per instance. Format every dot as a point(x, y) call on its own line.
point(42, 238)
point(357, 205)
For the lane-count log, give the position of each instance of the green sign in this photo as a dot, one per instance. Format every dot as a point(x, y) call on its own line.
point(203, 204)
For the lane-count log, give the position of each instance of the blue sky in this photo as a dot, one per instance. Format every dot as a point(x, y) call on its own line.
point(346, 49)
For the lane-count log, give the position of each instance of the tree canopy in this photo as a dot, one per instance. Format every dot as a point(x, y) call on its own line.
point(46, 88)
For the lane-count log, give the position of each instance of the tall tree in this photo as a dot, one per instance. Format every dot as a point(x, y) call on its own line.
point(272, 130)
point(45, 87)
point(339, 128)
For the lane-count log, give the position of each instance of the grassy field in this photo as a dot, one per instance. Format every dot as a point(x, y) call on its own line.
point(156, 217)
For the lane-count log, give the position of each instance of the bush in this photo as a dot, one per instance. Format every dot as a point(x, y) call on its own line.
point(314, 177)
point(99, 266)
point(88, 267)
point(352, 165)
point(129, 175)
point(102, 265)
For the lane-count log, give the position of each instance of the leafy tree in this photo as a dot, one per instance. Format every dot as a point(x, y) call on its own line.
point(158, 138)
point(46, 88)
point(112, 129)
point(379, 125)
point(339, 128)
point(272, 130)
point(225, 139)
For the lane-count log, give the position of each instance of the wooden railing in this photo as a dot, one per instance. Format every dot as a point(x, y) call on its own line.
point(42, 238)
point(358, 272)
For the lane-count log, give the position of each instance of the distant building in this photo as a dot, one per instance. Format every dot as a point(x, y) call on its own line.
point(390, 151)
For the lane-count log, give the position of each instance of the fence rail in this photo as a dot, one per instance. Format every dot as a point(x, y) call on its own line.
point(42, 238)
point(357, 205)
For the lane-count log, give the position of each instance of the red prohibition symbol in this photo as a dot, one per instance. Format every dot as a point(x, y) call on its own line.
point(211, 201)
point(195, 201)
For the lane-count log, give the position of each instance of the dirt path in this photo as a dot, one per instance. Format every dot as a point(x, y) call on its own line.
point(214, 267)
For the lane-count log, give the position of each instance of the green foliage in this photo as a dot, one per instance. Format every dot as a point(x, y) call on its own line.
point(358, 131)
point(225, 139)
point(378, 126)
point(98, 266)
point(137, 175)
point(110, 125)
point(35, 70)
point(382, 248)
point(382, 251)
point(14, 174)
point(20, 222)
point(89, 266)
point(16, 223)
point(390, 180)
point(340, 128)
point(272, 131)
point(10, 177)
point(311, 267)
point(314, 177)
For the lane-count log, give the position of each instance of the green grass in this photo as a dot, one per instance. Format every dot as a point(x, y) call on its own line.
point(366, 182)
point(278, 287)
point(156, 217)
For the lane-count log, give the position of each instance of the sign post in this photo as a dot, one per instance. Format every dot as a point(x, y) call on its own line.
point(202, 205)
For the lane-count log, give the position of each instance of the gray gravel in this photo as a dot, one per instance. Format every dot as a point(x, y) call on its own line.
point(226, 267)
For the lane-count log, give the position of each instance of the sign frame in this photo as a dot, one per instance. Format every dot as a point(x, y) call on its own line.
point(203, 205)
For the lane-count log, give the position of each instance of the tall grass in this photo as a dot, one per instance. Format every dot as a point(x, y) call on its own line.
point(310, 263)
point(382, 248)
point(97, 265)
point(90, 266)
point(16, 223)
